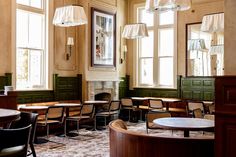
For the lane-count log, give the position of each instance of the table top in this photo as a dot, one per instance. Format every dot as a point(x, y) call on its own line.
point(33, 108)
point(166, 99)
point(96, 102)
point(184, 123)
point(139, 98)
point(7, 115)
point(69, 104)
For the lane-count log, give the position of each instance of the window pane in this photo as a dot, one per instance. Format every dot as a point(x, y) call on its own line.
point(146, 71)
point(166, 18)
point(166, 71)
point(36, 3)
point(145, 17)
point(22, 74)
point(28, 69)
point(24, 2)
point(32, 3)
point(35, 30)
point(35, 68)
point(146, 45)
point(22, 28)
point(166, 42)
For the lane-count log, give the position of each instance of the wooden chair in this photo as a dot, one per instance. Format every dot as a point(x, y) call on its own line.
point(154, 115)
point(27, 118)
point(14, 142)
point(81, 113)
point(114, 109)
point(192, 105)
point(127, 104)
point(155, 105)
point(211, 109)
point(54, 115)
point(197, 113)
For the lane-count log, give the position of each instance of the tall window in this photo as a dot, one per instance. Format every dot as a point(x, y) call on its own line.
point(156, 54)
point(31, 44)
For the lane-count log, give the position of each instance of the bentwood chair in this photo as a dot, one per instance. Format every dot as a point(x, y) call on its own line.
point(192, 105)
point(14, 142)
point(150, 116)
point(114, 110)
point(27, 118)
point(54, 115)
point(155, 105)
point(81, 113)
point(127, 104)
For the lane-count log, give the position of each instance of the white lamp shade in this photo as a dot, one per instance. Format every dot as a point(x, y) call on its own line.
point(70, 41)
point(69, 16)
point(213, 23)
point(165, 5)
point(134, 31)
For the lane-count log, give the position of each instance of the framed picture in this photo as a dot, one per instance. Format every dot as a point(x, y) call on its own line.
point(103, 39)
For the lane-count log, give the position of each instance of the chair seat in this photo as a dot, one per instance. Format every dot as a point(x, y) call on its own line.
point(106, 113)
point(12, 151)
point(77, 117)
point(43, 122)
point(152, 126)
point(143, 107)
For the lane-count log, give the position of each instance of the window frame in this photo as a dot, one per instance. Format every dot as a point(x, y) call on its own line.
point(137, 64)
point(44, 83)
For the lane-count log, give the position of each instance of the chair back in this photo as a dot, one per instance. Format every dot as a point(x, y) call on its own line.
point(15, 137)
point(197, 113)
point(26, 118)
point(155, 115)
point(115, 105)
point(195, 105)
point(55, 112)
point(87, 109)
point(126, 102)
point(211, 109)
point(155, 104)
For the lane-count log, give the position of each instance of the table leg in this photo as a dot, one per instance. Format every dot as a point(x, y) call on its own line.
point(186, 133)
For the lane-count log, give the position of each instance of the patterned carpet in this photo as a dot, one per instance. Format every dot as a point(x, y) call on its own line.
point(96, 143)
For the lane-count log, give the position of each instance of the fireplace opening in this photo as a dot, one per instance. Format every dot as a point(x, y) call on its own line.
point(103, 96)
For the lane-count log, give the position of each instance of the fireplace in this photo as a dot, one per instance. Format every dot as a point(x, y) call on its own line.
point(96, 87)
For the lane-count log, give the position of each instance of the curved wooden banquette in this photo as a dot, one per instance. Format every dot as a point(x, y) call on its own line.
point(125, 143)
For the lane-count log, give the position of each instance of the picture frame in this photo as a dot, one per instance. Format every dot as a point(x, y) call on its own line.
point(103, 39)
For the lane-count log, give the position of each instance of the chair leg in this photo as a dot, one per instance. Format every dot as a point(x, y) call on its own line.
point(65, 128)
point(129, 115)
point(47, 130)
point(77, 126)
point(32, 149)
point(95, 123)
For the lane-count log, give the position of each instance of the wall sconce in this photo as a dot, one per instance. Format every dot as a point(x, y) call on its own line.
point(70, 43)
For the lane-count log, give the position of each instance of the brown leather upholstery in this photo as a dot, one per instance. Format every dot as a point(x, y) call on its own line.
point(118, 123)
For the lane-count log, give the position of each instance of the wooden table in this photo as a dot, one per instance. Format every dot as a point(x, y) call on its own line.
point(7, 116)
point(185, 124)
point(96, 102)
point(35, 109)
point(167, 101)
point(67, 106)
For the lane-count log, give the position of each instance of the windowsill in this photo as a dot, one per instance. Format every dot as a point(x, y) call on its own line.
point(152, 87)
point(32, 90)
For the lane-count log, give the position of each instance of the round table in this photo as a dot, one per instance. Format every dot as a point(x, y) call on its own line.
point(7, 116)
point(185, 124)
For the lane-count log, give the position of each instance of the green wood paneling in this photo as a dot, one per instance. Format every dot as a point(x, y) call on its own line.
point(68, 88)
point(197, 88)
point(5, 80)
